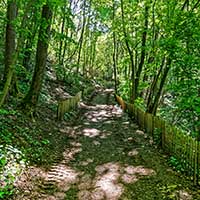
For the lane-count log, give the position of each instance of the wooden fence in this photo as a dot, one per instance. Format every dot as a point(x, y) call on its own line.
point(65, 105)
point(174, 141)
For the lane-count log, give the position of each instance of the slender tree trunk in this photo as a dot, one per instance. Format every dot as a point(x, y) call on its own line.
point(196, 5)
point(91, 69)
point(28, 47)
point(133, 91)
point(62, 32)
point(29, 38)
point(86, 47)
point(153, 107)
point(66, 35)
point(82, 36)
point(31, 99)
point(154, 84)
point(185, 5)
point(143, 51)
point(114, 49)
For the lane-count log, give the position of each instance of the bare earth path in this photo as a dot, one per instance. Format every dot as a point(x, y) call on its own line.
point(107, 157)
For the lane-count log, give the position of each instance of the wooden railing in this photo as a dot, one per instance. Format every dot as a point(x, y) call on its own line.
point(174, 141)
point(65, 105)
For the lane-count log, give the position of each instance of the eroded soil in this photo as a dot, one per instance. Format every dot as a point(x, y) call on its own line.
point(101, 155)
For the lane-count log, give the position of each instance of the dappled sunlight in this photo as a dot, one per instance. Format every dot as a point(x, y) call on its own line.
point(108, 122)
point(126, 123)
point(139, 132)
point(91, 132)
point(133, 152)
point(107, 180)
point(95, 142)
point(27, 184)
point(86, 174)
point(129, 178)
point(86, 123)
point(105, 134)
point(61, 178)
point(35, 183)
point(86, 162)
point(69, 154)
point(139, 170)
point(85, 182)
point(107, 184)
point(102, 112)
point(62, 175)
point(33, 173)
point(108, 166)
point(76, 144)
point(70, 131)
point(184, 195)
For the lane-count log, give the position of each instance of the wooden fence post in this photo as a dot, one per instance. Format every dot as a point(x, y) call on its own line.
point(195, 179)
point(163, 133)
point(149, 123)
point(142, 119)
point(198, 161)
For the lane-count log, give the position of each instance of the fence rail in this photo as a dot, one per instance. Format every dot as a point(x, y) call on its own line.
point(174, 141)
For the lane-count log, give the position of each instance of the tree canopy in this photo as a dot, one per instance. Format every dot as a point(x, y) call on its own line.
point(149, 48)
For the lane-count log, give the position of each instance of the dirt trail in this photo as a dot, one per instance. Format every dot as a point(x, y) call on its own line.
point(108, 158)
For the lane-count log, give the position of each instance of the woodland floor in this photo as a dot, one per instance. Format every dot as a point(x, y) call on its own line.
point(100, 154)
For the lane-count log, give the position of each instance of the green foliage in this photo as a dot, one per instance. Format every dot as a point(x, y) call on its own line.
point(71, 115)
point(169, 191)
point(6, 136)
point(176, 164)
point(6, 112)
point(75, 82)
point(31, 145)
point(124, 89)
point(140, 103)
point(104, 12)
point(6, 192)
point(157, 138)
point(71, 194)
point(11, 165)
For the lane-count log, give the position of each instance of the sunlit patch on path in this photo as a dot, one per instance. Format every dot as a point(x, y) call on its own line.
point(101, 113)
point(109, 179)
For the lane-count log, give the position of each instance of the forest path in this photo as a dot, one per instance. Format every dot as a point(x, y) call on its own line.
point(107, 158)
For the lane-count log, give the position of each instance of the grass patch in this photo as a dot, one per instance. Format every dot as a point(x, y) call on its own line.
point(71, 194)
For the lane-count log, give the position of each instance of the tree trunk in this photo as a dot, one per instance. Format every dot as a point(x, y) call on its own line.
point(154, 84)
point(10, 36)
point(81, 37)
point(133, 91)
point(143, 51)
point(114, 49)
point(93, 57)
point(31, 99)
point(153, 107)
point(11, 75)
point(9, 49)
point(29, 43)
point(62, 33)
